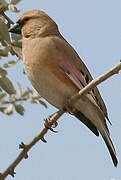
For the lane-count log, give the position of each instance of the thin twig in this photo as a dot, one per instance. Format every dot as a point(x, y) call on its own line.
point(27, 147)
point(14, 100)
point(12, 50)
point(95, 82)
point(53, 118)
point(7, 18)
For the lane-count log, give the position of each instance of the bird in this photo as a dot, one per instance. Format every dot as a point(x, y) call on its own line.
point(57, 72)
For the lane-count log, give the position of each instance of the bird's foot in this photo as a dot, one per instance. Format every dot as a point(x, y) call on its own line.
point(49, 125)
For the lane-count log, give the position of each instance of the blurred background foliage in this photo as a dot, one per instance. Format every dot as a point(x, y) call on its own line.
point(11, 98)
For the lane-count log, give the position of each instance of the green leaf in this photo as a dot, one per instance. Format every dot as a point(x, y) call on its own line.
point(8, 110)
point(19, 109)
point(7, 85)
point(19, 91)
point(3, 72)
point(4, 52)
point(2, 109)
point(4, 34)
point(9, 64)
point(43, 103)
point(3, 4)
point(2, 95)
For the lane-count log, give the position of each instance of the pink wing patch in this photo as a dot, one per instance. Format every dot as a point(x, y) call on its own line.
point(73, 73)
point(79, 79)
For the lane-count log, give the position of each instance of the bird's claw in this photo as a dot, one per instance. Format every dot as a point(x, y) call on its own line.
point(48, 124)
point(43, 139)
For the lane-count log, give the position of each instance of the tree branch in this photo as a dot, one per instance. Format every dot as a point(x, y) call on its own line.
point(26, 147)
point(53, 118)
point(7, 18)
point(95, 82)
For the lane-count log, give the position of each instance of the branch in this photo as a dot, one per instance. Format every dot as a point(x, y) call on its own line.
point(7, 18)
point(26, 147)
point(14, 100)
point(53, 118)
point(95, 82)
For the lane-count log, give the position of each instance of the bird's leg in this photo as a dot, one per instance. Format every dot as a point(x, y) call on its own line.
point(69, 107)
point(49, 124)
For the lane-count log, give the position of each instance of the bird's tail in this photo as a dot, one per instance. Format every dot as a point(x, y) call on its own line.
point(103, 131)
point(105, 134)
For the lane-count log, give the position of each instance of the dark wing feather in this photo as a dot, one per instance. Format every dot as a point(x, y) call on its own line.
point(87, 122)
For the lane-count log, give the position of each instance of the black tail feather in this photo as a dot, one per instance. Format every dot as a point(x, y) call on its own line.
point(87, 122)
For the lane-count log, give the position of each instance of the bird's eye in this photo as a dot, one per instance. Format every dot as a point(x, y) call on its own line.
point(26, 19)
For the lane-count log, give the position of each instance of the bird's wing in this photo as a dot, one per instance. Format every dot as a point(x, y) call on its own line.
point(79, 80)
point(88, 78)
point(77, 77)
point(79, 73)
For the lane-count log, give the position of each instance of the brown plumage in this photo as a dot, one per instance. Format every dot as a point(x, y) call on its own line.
point(57, 72)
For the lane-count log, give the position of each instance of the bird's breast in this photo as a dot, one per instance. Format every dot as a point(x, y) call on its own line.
point(46, 76)
point(51, 82)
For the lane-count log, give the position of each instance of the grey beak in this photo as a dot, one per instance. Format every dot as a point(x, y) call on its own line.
point(16, 28)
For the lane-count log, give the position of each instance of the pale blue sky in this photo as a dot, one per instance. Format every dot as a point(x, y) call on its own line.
point(94, 29)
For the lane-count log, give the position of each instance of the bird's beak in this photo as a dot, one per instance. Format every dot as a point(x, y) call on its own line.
point(16, 28)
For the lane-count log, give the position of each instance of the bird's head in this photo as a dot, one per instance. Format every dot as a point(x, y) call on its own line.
point(34, 23)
